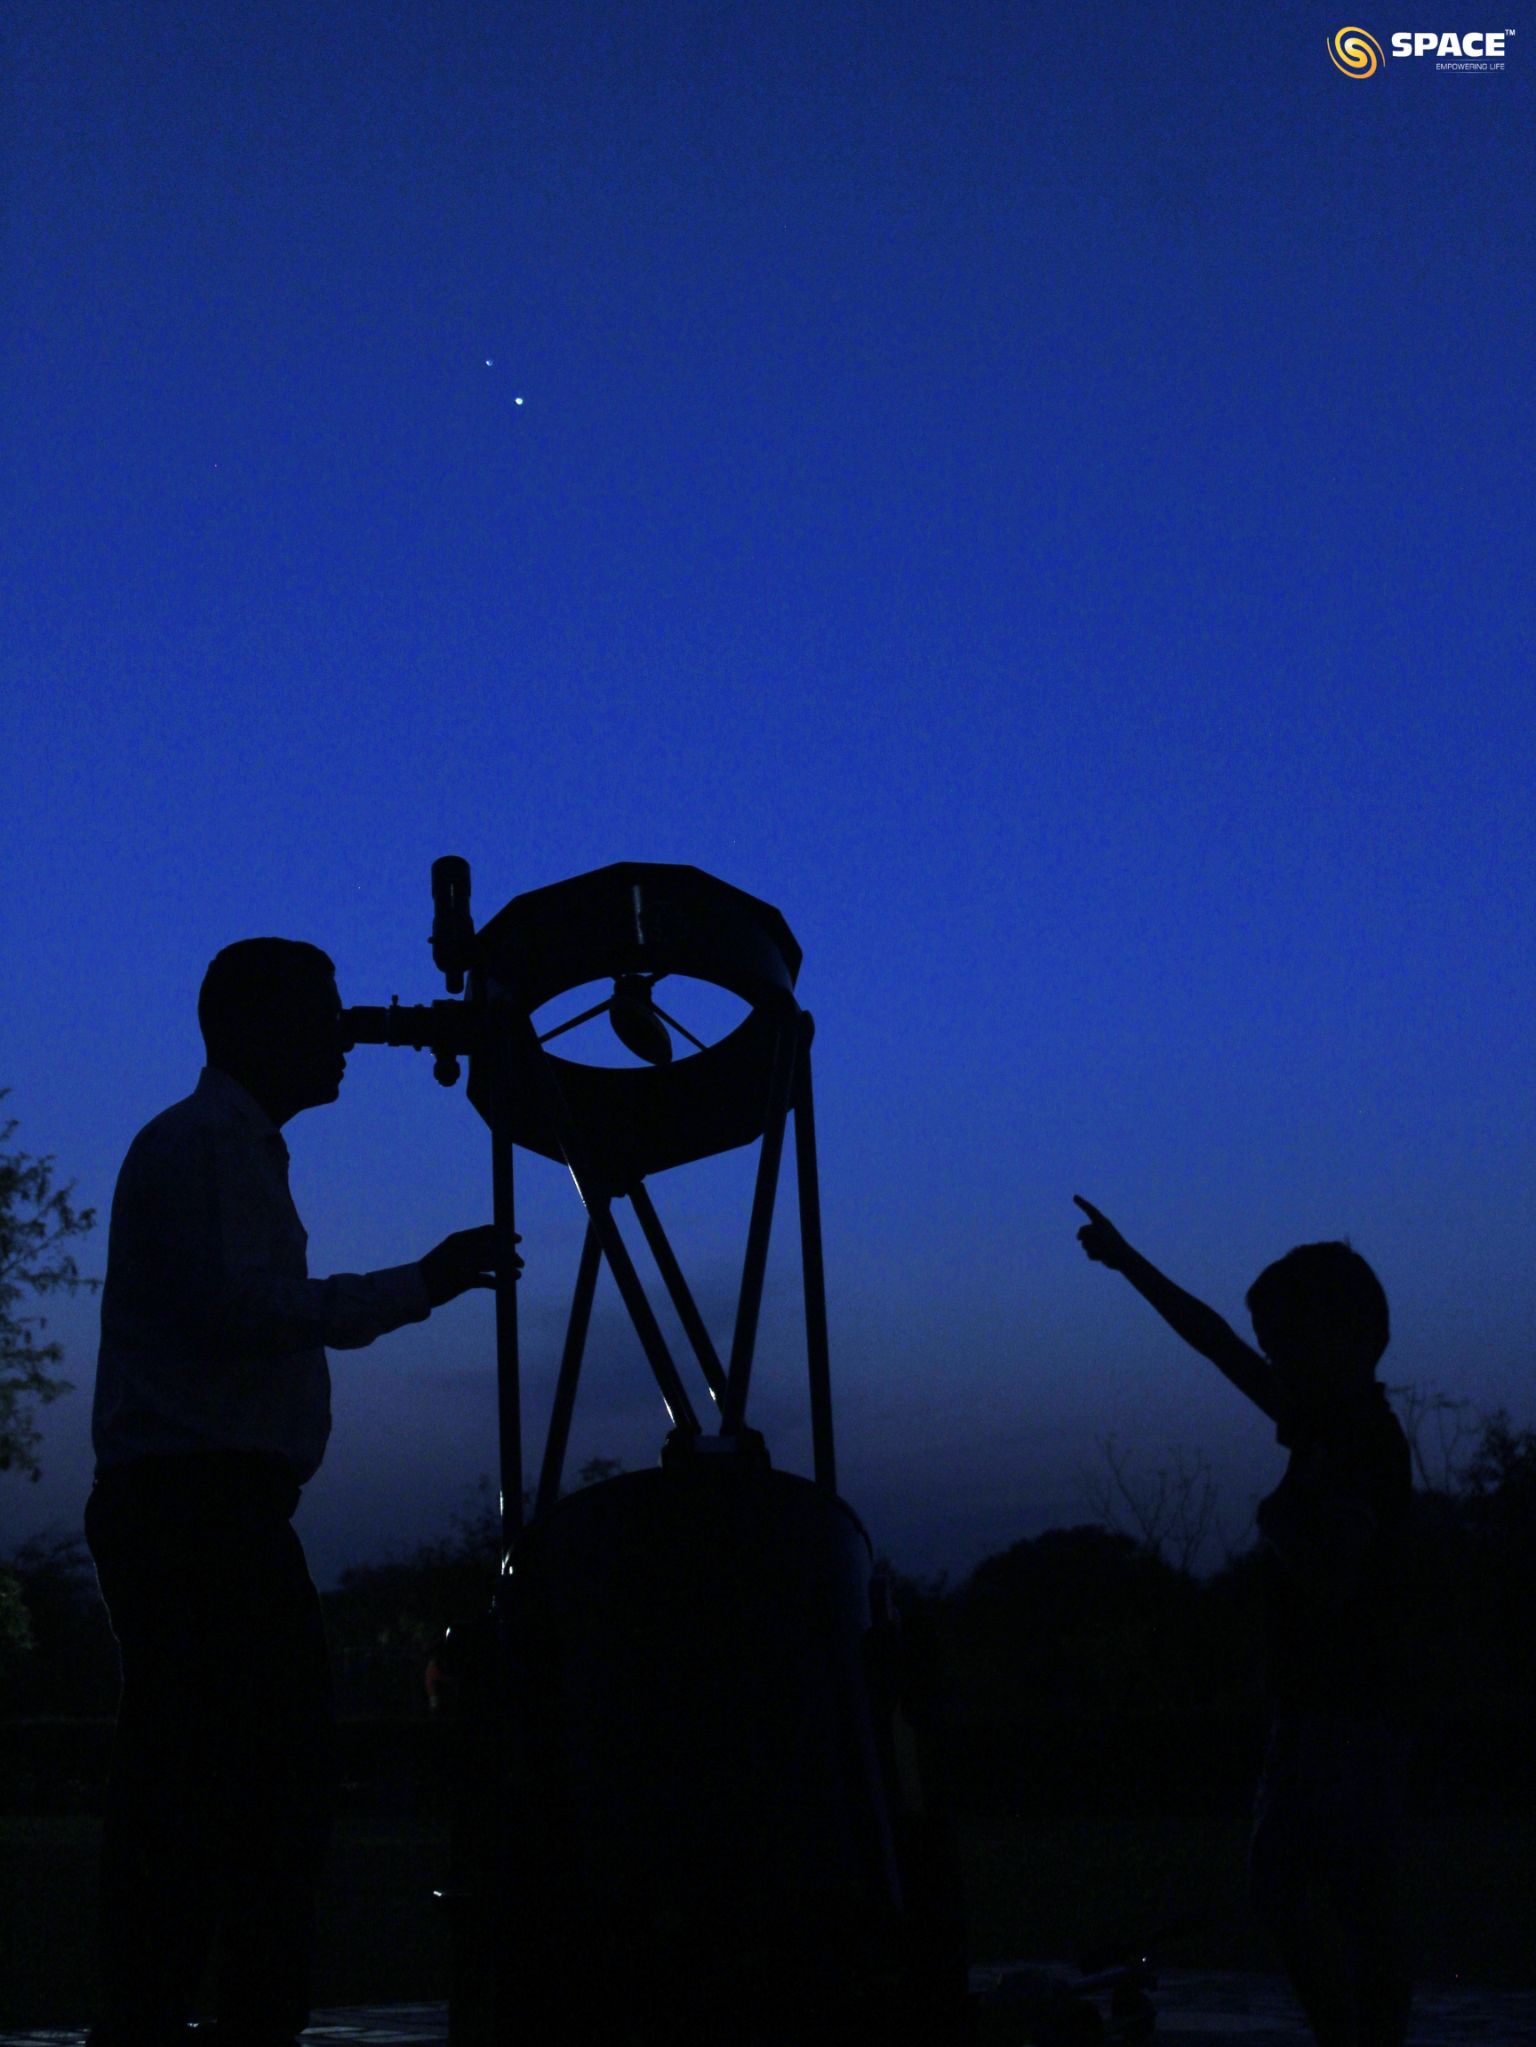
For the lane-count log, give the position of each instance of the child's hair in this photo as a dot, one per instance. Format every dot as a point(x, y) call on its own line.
point(1320, 1288)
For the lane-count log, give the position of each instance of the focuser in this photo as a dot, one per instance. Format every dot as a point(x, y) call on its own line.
point(447, 1029)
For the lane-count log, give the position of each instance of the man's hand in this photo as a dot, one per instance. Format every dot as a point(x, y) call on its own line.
point(464, 1260)
point(1100, 1239)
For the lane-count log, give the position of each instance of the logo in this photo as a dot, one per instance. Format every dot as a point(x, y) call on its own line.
point(1356, 52)
point(1478, 49)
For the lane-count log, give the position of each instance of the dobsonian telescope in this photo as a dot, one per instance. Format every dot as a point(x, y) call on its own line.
point(688, 1802)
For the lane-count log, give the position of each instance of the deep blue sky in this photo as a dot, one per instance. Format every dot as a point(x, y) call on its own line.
point(1044, 499)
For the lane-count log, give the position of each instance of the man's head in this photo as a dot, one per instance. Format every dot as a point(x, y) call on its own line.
point(271, 1017)
point(1320, 1317)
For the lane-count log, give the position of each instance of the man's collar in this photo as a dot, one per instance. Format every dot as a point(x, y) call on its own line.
point(214, 1084)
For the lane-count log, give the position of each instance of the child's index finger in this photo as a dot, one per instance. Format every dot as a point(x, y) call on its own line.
point(1088, 1209)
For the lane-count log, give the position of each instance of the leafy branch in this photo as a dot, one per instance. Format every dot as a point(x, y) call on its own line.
point(38, 1222)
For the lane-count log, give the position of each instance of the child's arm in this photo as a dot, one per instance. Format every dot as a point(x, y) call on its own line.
point(1201, 1327)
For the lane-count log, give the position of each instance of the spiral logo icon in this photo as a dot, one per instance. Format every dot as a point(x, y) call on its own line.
point(1356, 52)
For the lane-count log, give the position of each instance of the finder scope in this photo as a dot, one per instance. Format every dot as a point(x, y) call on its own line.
point(453, 928)
point(449, 1030)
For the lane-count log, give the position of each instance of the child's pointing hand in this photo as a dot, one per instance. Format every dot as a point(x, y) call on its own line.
point(1100, 1239)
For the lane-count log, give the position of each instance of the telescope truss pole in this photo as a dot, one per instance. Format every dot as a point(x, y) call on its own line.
point(677, 1286)
point(599, 1207)
point(809, 1191)
point(754, 1264)
point(570, 1371)
point(509, 1404)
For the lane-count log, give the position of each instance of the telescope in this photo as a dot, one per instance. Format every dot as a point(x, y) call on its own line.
point(681, 1813)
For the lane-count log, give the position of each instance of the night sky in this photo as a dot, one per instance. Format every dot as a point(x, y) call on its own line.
point(1042, 497)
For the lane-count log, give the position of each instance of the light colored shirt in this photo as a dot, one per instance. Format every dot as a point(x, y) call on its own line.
point(213, 1334)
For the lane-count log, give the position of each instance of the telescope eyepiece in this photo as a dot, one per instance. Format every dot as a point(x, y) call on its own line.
point(365, 1024)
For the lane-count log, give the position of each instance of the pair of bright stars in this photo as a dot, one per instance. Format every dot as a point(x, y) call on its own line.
point(490, 363)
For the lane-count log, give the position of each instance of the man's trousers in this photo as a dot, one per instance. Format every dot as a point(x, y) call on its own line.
point(222, 1778)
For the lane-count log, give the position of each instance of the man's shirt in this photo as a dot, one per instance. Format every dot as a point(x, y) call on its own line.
point(213, 1334)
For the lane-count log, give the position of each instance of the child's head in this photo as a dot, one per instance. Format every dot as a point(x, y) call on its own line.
point(1320, 1317)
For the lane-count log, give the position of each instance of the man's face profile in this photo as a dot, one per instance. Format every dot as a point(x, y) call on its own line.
point(289, 1050)
point(310, 1043)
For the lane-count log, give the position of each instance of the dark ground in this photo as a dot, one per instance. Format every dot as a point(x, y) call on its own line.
point(1047, 1892)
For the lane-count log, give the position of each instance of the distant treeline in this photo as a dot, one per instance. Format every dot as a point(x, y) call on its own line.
point(1040, 1651)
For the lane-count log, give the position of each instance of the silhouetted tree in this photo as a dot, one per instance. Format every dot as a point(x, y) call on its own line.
point(1492, 1586)
point(384, 1620)
point(1443, 1433)
point(16, 1638)
point(1076, 1619)
point(37, 1222)
point(65, 1660)
point(1169, 1511)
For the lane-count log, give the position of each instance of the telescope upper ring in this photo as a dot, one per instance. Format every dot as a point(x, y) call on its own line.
point(638, 917)
point(632, 917)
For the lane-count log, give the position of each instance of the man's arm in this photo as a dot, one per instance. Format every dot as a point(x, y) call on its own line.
point(1201, 1327)
point(230, 1263)
point(266, 1311)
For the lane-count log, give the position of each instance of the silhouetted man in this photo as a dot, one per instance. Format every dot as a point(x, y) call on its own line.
point(212, 1409)
point(1327, 1840)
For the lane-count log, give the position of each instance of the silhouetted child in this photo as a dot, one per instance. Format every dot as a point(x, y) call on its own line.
point(1328, 1821)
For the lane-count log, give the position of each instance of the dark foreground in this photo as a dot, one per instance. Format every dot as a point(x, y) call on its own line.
point(1195, 2009)
point(1055, 1888)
